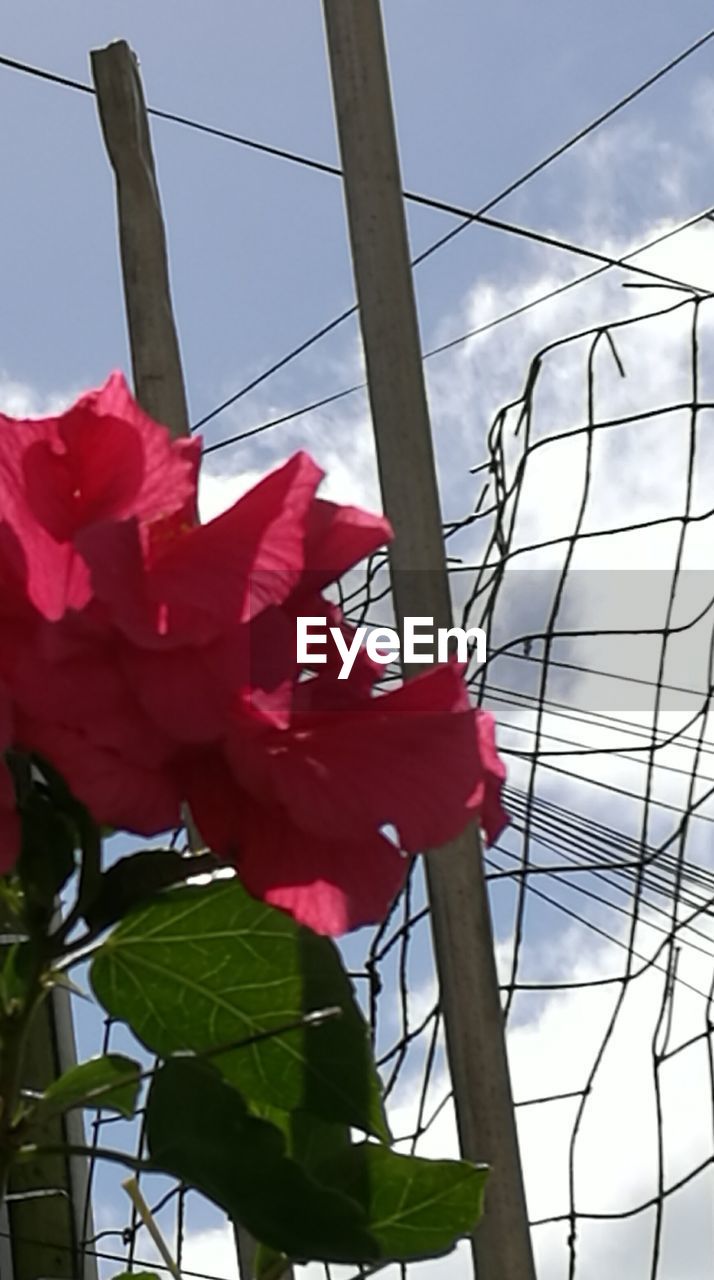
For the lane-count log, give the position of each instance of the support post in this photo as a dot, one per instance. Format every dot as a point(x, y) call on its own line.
point(155, 356)
point(43, 1236)
point(156, 360)
point(461, 922)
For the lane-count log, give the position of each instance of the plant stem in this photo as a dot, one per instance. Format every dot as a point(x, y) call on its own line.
point(89, 877)
point(32, 1149)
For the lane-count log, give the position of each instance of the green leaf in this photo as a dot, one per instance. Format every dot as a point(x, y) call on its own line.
point(408, 1202)
point(16, 961)
point(239, 1162)
point(364, 1204)
point(311, 1140)
point(308, 1139)
point(49, 839)
point(202, 967)
point(137, 1275)
point(415, 1208)
point(133, 880)
point(111, 1082)
point(268, 1264)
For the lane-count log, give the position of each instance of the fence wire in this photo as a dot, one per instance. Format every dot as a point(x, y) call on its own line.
point(587, 560)
point(585, 556)
point(605, 719)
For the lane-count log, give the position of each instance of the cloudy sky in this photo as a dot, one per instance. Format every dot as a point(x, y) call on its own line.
point(259, 261)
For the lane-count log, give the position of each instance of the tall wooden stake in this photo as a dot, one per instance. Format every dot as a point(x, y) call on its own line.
point(156, 360)
point(46, 1234)
point(460, 913)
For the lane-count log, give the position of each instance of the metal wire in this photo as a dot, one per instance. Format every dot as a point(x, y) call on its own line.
point(625, 864)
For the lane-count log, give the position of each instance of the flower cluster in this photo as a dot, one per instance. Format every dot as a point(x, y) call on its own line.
point(151, 660)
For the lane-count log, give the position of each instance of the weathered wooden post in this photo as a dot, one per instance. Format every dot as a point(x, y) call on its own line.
point(43, 1235)
point(461, 922)
point(156, 360)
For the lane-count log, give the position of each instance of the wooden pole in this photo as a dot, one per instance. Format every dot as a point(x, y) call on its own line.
point(42, 1236)
point(45, 1232)
point(461, 922)
point(158, 380)
point(156, 360)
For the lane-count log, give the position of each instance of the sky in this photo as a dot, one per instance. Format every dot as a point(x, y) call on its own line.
point(259, 259)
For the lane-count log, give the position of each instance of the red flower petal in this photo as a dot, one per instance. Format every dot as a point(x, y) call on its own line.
point(186, 692)
point(103, 459)
point(338, 538)
point(330, 885)
point(117, 789)
point(194, 582)
point(327, 692)
point(249, 557)
point(69, 674)
point(9, 818)
point(121, 583)
point(168, 483)
point(409, 759)
point(5, 720)
point(486, 800)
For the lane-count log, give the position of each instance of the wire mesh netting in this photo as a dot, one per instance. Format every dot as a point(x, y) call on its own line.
point(584, 555)
point(579, 540)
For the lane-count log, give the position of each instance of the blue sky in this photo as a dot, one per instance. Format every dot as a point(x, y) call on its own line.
point(259, 260)
point(258, 246)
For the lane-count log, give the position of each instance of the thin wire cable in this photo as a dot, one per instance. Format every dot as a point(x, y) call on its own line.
point(468, 218)
point(320, 166)
point(488, 325)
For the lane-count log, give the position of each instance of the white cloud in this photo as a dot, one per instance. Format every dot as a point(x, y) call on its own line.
point(20, 400)
point(213, 1252)
point(217, 491)
point(350, 477)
